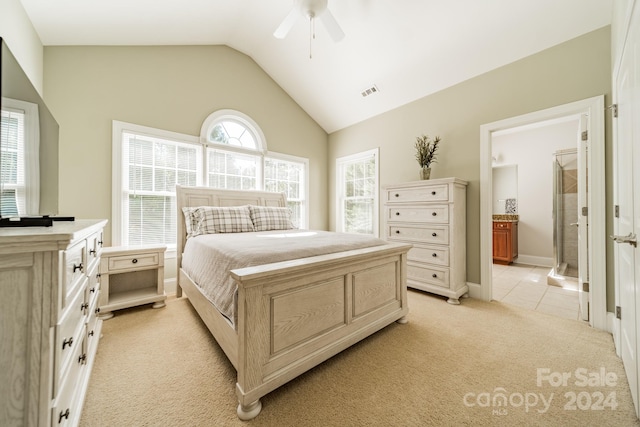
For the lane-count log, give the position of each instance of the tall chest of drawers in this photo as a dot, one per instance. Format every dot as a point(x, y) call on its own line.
point(431, 214)
point(49, 329)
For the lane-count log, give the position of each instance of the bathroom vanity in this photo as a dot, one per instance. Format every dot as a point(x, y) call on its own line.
point(505, 238)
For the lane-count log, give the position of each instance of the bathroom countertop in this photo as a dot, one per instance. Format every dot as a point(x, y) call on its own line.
point(506, 217)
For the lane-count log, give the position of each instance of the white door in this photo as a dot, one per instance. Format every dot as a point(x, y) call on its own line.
point(583, 225)
point(627, 219)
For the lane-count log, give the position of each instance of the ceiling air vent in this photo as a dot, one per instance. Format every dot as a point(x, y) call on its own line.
point(369, 91)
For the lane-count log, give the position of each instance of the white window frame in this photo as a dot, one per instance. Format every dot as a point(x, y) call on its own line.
point(305, 187)
point(341, 163)
point(27, 189)
point(119, 216)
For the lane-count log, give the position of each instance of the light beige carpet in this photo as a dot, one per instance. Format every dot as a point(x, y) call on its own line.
point(449, 366)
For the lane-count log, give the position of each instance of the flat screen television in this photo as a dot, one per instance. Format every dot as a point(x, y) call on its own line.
point(28, 146)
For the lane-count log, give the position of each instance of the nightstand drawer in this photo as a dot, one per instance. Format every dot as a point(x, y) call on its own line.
point(127, 262)
point(422, 214)
point(433, 193)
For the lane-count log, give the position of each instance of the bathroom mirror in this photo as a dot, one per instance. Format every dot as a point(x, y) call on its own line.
point(505, 189)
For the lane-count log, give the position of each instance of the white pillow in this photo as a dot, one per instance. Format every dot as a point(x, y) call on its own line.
point(267, 218)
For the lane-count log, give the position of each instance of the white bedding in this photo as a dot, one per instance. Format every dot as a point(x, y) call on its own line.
point(207, 259)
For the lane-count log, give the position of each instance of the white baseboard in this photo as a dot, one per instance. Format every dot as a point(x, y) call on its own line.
point(475, 290)
point(534, 260)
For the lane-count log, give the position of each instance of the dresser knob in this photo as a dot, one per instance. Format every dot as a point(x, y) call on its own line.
point(68, 342)
point(433, 234)
point(92, 290)
point(92, 252)
point(82, 359)
point(397, 195)
point(97, 310)
point(84, 306)
point(434, 255)
point(397, 231)
point(134, 261)
point(77, 267)
point(434, 275)
point(433, 193)
point(100, 242)
point(397, 213)
point(433, 214)
point(90, 333)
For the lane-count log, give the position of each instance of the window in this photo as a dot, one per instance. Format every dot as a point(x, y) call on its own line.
point(231, 153)
point(19, 144)
point(357, 193)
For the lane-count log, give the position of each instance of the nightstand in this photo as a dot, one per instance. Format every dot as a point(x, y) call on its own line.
point(131, 276)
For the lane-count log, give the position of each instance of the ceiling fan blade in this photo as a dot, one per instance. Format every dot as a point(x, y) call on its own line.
point(286, 25)
point(332, 26)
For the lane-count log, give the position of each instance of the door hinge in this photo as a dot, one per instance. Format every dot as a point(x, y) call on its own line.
point(614, 109)
point(585, 135)
point(585, 287)
point(618, 312)
point(585, 211)
point(616, 211)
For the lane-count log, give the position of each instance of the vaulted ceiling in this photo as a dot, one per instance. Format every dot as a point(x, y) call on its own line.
point(406, 48)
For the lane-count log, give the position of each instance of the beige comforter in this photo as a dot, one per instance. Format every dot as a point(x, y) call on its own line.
point(207, 259)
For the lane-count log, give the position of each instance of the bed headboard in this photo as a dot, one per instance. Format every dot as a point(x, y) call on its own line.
point(206, 196)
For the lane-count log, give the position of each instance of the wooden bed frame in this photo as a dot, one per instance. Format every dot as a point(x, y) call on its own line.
point(295, 314)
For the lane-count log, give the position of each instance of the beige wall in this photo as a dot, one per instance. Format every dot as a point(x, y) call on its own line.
point(172, 88)
point(571, 71)
point(23, 41)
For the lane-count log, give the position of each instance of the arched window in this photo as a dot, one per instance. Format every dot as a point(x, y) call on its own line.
point(232, 128)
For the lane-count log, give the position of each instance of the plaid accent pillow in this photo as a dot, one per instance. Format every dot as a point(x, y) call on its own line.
point(232, 219)
point(267, 218)
point(191, 221)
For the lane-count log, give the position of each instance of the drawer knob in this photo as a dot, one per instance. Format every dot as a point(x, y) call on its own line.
point(434, 255)
point(434, 234)
point(77, 267)
point(433, 193)
point(397, 231)
point(434, 213)
point(434, 275)
point(64, 415)
point(68, 342)
point(84, 306)
point(100, 242)
point(397, 195)
point(92, 252)
point(90, 333)
point(97, 310)
point(92, 290)
point(398, 213)
point(82, 359)
point(134, 261)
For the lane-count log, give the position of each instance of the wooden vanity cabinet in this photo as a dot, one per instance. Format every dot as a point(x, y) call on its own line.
point(505, 241)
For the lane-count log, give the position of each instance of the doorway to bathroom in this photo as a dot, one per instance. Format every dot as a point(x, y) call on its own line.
point(535, 202)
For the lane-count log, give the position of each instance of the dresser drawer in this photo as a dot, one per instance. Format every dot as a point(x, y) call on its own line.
point(429, 254)
point(422, 214)
point(93, 286)
point(94, 249)
point(424, 274)
point(433, 193)
point(65, 410)
point(74, 270)
point(68, 337)
point(126, 262)
point(438, 234)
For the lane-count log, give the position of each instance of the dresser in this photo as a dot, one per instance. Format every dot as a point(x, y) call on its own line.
point(50, 283)
point(430, 214)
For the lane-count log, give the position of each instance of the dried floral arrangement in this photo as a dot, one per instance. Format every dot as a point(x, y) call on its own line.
point(426, 150)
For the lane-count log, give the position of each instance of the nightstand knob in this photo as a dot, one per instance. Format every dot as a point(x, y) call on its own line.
point(434, 275)
point(433, 234)
point(433, 214)
point(68, 342)
point(134, 261)
point(97, 310)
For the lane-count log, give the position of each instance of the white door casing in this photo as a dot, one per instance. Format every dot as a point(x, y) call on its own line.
point(583, 224)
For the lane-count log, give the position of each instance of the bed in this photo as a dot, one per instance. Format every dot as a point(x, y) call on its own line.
point(292, 315)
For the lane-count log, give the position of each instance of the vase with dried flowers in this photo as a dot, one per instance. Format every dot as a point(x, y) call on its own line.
point(426, 154)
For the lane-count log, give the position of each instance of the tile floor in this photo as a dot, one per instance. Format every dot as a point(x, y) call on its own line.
point(526, 286)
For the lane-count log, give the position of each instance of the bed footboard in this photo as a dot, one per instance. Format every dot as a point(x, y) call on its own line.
point(293, 315)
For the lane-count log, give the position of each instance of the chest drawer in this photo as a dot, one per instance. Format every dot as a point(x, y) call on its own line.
point(68, 337)
point(433, 193)
point(429, 254)
point(74, 269)
point(94, 249)
point(422, 214)
point(438, 234)
point(126, 262)
point(432, 275)
point(65, 411)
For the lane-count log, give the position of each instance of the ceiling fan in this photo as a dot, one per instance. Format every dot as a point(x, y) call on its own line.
point(310, 9)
